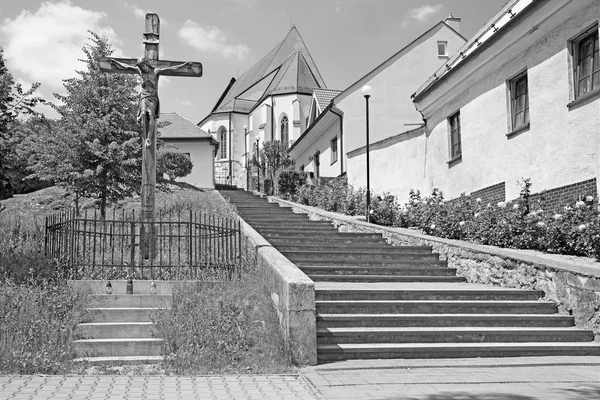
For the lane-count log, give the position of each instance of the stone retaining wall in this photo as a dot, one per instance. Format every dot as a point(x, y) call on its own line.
point(293, 294)
point(572, 282)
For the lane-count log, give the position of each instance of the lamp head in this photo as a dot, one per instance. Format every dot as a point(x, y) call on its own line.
point(245, 127)
point(366, 91)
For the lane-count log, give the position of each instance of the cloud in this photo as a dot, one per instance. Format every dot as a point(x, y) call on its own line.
point(45, 46)
point(338, 6)
point(421, 14)
point(210, 39)
point(141, 12)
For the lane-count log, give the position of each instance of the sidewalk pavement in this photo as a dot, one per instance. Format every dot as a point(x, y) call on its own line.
point(523, 378)
point(154, 387)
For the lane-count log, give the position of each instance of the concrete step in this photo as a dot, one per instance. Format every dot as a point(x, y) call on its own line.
point(359, 255)
point(122, 347)
point(434, 307)
point(357, 246)
point(115, 361)
point(130, 300)
point(451, 335)
point(344, 272)
point(295, 230)
point(324, 237)
point(125, 314)
point(113, 330)
point(448, 320)
point(333, 263)
point(428, 294)
point(292, 225)
point(273, 217)
point(337, 352)
point(386, 278)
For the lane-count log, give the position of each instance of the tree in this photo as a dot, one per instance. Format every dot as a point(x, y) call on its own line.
point(95, 151)
point(176, 165)
point(14, 101)
point(274, 158)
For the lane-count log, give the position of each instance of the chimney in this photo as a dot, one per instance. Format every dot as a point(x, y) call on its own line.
point(453, 22)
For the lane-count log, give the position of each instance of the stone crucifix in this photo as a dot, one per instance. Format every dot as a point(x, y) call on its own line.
point(149, 68)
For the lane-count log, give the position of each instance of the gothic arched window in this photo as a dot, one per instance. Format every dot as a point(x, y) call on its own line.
point(222, 142)
point(285, 133)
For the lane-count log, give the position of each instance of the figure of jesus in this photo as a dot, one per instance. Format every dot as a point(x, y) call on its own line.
point(148, 105)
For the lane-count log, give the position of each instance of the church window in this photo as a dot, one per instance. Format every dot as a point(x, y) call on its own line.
point(519, 101)
point(455, 142)
point(222, 143)
point(334, 150)
point(302, 168)
point(285, 133)
point(587, 63)
point(442, 48)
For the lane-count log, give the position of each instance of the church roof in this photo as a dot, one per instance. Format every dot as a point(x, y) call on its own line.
point(287, 68)
point(180, 128)
point(324, 97)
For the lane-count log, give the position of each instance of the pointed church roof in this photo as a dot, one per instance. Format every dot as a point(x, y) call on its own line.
point(287, 68)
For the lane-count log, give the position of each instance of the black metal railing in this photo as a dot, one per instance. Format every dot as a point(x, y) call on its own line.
point(185, 245)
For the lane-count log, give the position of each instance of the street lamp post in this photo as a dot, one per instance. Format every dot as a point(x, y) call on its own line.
point(366, 91)
point(246, 154)
point(257, 167)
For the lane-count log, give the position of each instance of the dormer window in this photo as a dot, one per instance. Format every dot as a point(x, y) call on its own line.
point(442, 48)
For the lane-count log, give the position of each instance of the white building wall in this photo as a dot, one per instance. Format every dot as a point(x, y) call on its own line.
point(202, 157)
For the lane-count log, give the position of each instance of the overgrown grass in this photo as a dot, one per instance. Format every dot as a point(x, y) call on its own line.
point(224, 327)
point(37, 325)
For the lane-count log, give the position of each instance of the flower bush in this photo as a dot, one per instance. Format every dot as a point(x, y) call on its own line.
point(513, 224)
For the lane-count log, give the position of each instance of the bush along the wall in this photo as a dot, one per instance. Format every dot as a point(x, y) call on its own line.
point(289, 181)
point(573, 231)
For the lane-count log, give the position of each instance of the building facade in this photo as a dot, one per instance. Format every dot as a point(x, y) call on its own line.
point(268, 102)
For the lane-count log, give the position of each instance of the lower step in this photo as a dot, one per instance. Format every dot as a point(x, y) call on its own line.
point(129, 314)
point(377, 271)
point(115, 330)
point(338, 352)
point(115, 361)
point(385, 278)
point(118, 347)
point(433, 320)
point(451, 335)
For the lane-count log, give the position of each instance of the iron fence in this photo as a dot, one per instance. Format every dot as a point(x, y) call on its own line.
point(186, 245)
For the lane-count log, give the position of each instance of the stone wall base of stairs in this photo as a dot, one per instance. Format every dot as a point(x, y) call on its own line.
point(293, 295)
point(572, 282)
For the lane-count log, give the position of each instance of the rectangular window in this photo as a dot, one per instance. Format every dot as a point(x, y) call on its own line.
point(442, 49)
point(519, 101)
point(587, 64)
point(455, 146)
point(334, 152)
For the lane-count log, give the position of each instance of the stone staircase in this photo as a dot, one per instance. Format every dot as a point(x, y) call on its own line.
point(376, 300)
point(121, 331)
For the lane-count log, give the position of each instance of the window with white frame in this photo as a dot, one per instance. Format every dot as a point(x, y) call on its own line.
point(334, 149)
point(455, 141)
point(442, 48)
point(519, 101)
point(586, 63)
point(222, 143)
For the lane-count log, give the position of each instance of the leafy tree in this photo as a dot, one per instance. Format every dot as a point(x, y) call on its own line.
point(176, 165)
point(274, 158)
point(95, 151)
point(14, 101)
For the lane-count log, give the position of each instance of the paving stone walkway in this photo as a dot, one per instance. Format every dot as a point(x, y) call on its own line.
point(152, 387)
point(525, 378)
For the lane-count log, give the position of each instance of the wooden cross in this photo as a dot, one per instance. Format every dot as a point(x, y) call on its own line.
point(149, 68)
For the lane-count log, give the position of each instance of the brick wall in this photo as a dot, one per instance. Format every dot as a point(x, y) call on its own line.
point(491, 194)
point(555, 198)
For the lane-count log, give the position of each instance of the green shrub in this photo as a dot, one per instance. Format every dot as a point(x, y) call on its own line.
point(289, 181)
point(385, 210)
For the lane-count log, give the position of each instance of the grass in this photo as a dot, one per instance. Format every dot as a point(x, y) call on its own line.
point(226, 327)
point(229, 327)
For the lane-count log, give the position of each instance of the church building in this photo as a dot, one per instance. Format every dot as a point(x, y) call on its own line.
point(270, 101)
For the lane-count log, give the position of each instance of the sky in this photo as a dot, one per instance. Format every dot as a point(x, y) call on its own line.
point(42, 40)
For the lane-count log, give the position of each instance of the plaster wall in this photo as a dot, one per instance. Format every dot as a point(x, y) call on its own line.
point(202, 156)
point(390, 105)
point(323, 144)
point(560, 147)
